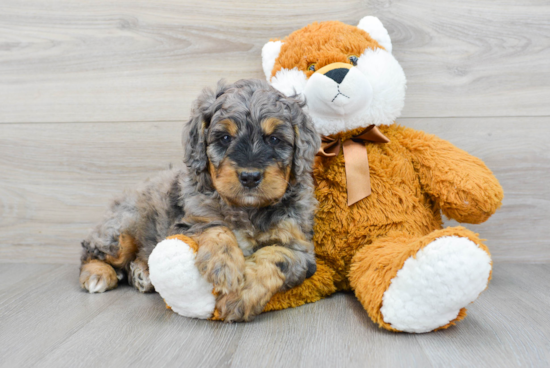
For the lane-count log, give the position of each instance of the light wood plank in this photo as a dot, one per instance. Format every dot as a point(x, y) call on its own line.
point(57, 180)
point(43, 311)
point(146, 334)
point(12, 274)
point(335, 332)
point(128, 60)
point(508, 326)
point(51, 322)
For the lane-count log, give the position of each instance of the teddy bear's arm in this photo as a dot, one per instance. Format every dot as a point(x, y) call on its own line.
point(465, 189)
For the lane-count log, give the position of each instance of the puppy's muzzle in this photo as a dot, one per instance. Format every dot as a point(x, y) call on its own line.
point(250, 179)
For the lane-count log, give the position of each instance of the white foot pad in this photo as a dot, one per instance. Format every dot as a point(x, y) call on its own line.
point(431, 289)
point(175, 277)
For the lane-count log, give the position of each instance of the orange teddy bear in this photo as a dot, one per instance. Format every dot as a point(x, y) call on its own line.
point(381, 190)
point(382, 187)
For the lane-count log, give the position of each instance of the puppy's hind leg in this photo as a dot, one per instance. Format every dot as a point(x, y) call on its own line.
point(103, 273)
point(108, 250)
point(97, 276)
point(138, 276)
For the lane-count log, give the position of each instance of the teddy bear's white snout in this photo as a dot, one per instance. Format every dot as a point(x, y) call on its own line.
point(338, 93)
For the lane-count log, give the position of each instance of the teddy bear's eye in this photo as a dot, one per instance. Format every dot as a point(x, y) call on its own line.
point(353, 59)
point(311, 67)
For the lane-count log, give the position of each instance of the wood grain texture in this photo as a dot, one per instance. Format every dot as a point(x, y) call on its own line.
point(57, 180)
point(48, 321)
point(136, 60)
point(13, 273)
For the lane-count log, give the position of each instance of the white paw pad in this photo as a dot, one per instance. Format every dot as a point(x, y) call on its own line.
point(431, 289)
point(175, 277)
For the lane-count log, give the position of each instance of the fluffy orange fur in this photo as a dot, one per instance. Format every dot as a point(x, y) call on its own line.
point(414, 178)
point(361, 247)
point(374, 267)
point(303, 47)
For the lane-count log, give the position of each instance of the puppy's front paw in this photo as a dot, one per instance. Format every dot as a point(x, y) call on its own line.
point(231, 307)
point(245, 304)
point(223, 269)
point(97, 277)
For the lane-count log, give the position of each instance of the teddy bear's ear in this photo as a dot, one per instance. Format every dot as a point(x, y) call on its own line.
point(376, 30)
point(270, 52)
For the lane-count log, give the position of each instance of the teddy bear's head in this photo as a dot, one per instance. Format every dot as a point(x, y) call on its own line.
point(347, 74)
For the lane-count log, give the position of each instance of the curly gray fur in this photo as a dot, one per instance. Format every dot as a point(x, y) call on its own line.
point(155, 209)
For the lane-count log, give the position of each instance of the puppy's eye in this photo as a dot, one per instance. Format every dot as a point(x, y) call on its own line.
point(273, 141)
point(311, 67)
point(353, 59)
point(226, 140)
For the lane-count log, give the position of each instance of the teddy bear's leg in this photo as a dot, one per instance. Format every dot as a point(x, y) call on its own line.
point(421, 284)
point(318, 286)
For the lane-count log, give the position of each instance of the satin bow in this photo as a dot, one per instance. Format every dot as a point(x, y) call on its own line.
point(356, 160)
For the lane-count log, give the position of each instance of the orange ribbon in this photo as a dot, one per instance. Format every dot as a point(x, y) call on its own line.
point(356, 160)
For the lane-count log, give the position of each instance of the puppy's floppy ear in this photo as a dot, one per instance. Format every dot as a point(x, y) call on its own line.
point(194, 136)
point(307, 140)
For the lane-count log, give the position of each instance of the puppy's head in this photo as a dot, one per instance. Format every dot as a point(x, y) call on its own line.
point(249, 143)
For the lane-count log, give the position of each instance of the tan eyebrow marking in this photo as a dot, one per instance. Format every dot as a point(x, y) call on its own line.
point(269, 125)
point(229, 126)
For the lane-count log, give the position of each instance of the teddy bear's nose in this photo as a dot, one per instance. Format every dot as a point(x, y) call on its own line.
point(337, 75)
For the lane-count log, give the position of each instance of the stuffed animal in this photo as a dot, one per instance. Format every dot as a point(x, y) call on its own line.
point(381, 189)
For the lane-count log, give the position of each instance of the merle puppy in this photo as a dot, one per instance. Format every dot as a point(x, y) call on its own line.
point(245, 196)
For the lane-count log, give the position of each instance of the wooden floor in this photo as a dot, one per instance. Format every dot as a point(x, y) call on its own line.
point(47, 321)
point(93, 95)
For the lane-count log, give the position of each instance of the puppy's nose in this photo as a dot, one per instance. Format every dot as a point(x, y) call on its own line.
point(338, 74)
point(250, 179)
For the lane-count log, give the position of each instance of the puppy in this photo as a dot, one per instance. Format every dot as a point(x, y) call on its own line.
point(245, 196)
